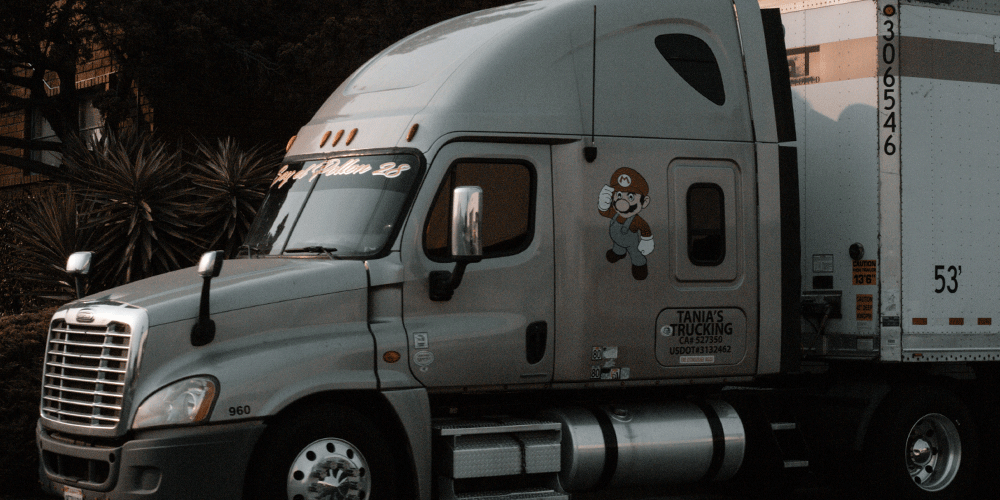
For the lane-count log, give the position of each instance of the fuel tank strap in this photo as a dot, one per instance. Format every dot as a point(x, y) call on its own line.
point(718, 440)
point(610, 448)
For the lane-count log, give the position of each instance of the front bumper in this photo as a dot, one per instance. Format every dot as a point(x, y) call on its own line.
point(196, 462)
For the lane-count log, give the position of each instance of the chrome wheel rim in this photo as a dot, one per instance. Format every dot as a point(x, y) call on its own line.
point(933, 452)
point(329, 469)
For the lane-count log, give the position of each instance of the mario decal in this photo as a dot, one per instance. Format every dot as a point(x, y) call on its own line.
point(621, 201)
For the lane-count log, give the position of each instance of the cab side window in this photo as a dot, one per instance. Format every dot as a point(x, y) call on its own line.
point(706, 212)
point(508, 207)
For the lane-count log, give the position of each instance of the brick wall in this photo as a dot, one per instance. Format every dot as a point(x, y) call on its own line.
point(93, 73)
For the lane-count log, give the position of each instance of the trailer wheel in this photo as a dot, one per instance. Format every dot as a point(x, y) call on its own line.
point(323, 452)
point(923, 444)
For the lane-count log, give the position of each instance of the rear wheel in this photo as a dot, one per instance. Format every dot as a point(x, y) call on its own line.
point(323, 452)
point(923, 444)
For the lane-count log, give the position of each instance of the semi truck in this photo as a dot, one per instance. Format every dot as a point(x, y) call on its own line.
point(566, 246)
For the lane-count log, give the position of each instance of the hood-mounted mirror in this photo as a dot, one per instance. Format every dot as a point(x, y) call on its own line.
point(78, 266)
point(209, 267)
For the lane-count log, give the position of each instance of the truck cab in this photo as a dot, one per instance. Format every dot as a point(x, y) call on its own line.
point(527, 245)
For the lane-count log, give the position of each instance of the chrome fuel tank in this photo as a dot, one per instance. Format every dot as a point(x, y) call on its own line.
point(646, 444)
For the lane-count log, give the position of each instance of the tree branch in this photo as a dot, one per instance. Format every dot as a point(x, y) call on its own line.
point(18, 81)
point(32, 166)
point(14, 142)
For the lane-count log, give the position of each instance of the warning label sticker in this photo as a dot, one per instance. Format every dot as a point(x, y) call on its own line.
point(700, 336)
point(865, 303)
point(865, 272)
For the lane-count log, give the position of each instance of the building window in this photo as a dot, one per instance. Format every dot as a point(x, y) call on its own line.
point(42, 131)
point(89, 120)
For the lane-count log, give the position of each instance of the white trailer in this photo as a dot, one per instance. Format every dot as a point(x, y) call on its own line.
point(897, 108)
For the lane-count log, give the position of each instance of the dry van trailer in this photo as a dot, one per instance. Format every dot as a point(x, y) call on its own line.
point(897, 108)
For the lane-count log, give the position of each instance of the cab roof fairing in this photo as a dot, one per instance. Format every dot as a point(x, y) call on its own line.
point(527, 68)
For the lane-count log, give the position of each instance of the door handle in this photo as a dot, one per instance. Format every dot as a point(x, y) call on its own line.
point(535, 341)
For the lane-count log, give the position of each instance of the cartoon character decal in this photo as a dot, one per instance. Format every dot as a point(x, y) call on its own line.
point(621, 201)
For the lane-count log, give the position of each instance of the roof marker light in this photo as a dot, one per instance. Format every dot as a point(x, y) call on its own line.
point(325, 137)
point(336, 139)
point(290, 142)
point(413, 132)
point(350, 137)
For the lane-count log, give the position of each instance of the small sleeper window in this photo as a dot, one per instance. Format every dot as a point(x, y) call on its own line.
point(694, 61)
point(706, 224)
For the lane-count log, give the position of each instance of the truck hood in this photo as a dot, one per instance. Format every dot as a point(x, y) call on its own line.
point(243, 283)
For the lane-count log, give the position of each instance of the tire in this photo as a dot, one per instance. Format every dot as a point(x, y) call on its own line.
point(323, 451)
point(923, 444)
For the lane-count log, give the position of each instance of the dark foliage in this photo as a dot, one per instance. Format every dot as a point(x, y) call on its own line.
point(14, 291)
point(137, 204)
point(43, 43)
point(46, 231)
point(22, 345)
point(142, 205)
point(255, 70)
point(230, 183)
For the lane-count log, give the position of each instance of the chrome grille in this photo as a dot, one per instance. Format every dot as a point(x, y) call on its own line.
point(85, 370)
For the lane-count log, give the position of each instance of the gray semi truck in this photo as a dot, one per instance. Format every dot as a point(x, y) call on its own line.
point(565, 246)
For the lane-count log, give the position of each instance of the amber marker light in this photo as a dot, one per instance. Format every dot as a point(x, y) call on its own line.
point(290, 142)
point(336, 139)
point(350, 137)
point(413, 132)
point(391, 357)
point(325, 137)
point(889, 10)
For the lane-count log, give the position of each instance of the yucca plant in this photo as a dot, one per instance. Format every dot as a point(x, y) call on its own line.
point(48, 229)
point(140, 205)
point(230, 185)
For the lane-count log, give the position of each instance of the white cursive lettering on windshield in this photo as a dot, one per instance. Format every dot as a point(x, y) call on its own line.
point(351, 167)
point(390, 170)
point(333, 166)
point(283, 176)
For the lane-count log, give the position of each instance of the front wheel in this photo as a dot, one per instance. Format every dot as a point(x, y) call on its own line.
point(323, 452)
point(922, 444)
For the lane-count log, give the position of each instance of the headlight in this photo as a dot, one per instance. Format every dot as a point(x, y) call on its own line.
point(184, 402)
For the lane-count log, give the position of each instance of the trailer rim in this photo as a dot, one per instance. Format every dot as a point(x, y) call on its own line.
point(933, 452)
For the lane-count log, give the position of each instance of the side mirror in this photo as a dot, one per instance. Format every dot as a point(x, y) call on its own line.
point(210, 264)
point(79, 263)
point(209, 267)
point(78, 266)
point(466, 244)
point(466, 218)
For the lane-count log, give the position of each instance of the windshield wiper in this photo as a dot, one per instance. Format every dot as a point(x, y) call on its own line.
point(251, 249)
point(313, 249)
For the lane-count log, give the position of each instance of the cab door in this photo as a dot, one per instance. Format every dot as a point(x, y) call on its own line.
point(496, 329)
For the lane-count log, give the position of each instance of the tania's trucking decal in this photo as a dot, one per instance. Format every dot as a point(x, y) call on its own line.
point(709, 336)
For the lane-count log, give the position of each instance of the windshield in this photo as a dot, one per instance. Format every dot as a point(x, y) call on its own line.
point(346, 207)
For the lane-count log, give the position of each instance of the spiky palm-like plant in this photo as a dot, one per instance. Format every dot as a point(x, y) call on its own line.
point(231, 183)
point(49, 229)
point(142, 213)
